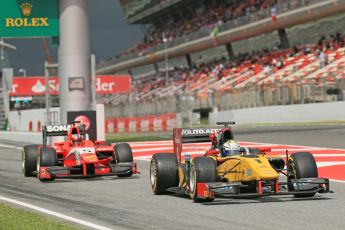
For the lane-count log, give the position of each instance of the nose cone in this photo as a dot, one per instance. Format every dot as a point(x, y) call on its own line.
point(262, 169)
point(266, 174)
point(89, 158)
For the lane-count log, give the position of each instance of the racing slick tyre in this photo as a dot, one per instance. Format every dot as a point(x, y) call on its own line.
point(123, 154)
point(29, 159)
point(203, 170)
point(301, 165)
point(47, 158)
point(163, 172)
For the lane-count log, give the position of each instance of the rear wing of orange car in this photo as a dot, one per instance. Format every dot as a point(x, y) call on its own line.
point(190, 135)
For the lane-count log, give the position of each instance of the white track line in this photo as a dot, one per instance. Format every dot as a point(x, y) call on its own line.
point(300, 146)
point(304, 149)
point(325, 155)
point(245, 143)
point(9, 146)
point(150, 144)
point(329, 163)
point(202, 152)
point(56, 214)
point(143, 158)
point(340, 181)
point(150, 149)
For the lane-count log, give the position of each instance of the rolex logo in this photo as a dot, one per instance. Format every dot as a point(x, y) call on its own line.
point(26, 9)
point(26, 21)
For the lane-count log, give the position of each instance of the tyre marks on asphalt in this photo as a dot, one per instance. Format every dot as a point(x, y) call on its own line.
point(331, 162)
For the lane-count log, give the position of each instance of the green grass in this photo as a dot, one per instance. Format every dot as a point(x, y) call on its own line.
point(204, 122)
point(16, 219)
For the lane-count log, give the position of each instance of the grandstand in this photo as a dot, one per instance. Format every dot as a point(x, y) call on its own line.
point(216, 64)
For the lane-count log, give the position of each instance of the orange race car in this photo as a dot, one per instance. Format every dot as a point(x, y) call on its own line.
point(229, 170)
point(76, 156)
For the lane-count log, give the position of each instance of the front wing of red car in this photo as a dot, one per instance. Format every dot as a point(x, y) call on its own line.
point(96, 170)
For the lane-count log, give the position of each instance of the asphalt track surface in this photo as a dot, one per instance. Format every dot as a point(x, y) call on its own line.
point(129, 203)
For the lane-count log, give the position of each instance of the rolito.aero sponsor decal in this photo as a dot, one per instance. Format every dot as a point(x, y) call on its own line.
point(191, 132)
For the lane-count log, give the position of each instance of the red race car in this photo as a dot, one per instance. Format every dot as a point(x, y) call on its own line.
point(76, 156)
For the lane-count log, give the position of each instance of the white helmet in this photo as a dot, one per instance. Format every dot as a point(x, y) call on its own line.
point(231, 147)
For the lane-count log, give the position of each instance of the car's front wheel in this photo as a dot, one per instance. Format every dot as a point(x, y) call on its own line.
point(29, 159)
point(301, 165)
point(123, 154)
point(163, 172)
point(47, 158)
point(203, 170)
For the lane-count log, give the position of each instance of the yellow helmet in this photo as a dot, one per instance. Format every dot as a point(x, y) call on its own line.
point(231, 147)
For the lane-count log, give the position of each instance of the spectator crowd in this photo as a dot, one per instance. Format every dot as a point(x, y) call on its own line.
point(208, 15)
point(267, 61)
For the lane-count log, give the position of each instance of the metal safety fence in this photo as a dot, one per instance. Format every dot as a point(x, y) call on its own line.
point(269, 95)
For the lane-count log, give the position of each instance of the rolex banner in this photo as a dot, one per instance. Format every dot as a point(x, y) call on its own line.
point(29, 18)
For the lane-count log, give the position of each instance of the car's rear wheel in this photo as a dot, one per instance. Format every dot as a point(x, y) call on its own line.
point(29, 159)
point(163, 172)
point(123, 154)
point(47, 158)
point(301, 165)
point(203, 170)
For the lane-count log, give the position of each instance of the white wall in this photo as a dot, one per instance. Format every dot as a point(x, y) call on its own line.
point(19, 120)
point(22, 137)
point(290, 113)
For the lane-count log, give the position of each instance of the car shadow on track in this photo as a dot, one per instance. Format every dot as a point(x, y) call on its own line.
point(243, 201)
point(88, 179)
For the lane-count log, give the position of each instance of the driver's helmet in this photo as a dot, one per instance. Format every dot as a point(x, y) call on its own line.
point(74, 135)
point(231, 147)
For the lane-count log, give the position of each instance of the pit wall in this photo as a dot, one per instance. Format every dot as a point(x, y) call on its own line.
point(32, 120)
point(331, 111)
point(164, 122)
point(29, 120)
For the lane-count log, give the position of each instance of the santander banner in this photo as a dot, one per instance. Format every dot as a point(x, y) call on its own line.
point(35, 86)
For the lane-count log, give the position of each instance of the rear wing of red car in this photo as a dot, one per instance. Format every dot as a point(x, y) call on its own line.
point(190, 135)
point(59, 130)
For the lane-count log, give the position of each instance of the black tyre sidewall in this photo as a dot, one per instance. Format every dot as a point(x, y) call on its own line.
point(303, 165)
point(30, 154)
point(166, 172)
point(48, 157)
point(123, 154)
point(204, 170)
